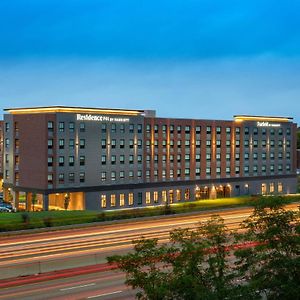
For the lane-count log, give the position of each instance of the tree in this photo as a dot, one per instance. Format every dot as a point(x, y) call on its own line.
point(194, 265)
point(272, 267)
point(33, 200)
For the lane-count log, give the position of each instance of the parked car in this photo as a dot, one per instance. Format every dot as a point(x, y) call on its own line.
point(6, 207)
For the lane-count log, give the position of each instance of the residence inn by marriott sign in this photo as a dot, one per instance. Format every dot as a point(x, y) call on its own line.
point(101, 118)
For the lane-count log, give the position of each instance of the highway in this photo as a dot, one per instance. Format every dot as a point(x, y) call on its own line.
point(55, 250)
point(104, 285)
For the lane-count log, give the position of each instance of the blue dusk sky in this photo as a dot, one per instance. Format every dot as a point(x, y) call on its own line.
point(187, 59)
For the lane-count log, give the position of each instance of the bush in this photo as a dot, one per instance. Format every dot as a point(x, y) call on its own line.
point(48, 221)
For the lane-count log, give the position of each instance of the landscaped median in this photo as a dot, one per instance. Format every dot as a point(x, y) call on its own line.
point(44, 219)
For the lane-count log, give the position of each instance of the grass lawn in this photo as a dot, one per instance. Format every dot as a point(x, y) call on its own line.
point(29, 220)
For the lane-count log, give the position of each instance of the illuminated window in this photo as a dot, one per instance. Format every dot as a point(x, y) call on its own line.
point(263, 189)
point(130, 199)
point(148, 197)
point(103, 201)
point(155, 197)
point(187, 194)
point(112, 200)
point(164, 196)
point(122, 199)
point(272, 187)
point(178, 195)
point(279, 187)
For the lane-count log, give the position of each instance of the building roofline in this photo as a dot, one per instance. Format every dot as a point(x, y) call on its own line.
point(74, 109)
point(240, 118)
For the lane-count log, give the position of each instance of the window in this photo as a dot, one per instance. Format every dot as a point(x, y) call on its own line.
point(61, 161)
point(228, 130)
point(255, 156)
point(263, 168)
point(272, 131)
point(103, 159)
point(50, 178)
point(237, 156)
point(122, 174)
point(131, 128)
point(171, 128)
point(228, 143)
point(140, 198)
point(61, 143)
point(279, 187)
point(122, 159)
point(139, 174)
point(82, 143)
point(178, 129)
point(113, 159)
point(131, 159)
point(218, 156)
point(208, 171)
point(208, 157)
point(50, 143)
point(148, 128)
point(113, 127)
point(237, 170)
point(71, 126)
point(272, 155)
point(122, 128)
point(246, 130)
point(139, 128)
point(155, 197)
point(103, 201)
point(272, 143)
point(82, 177)
point(148, 197)
point(112, 200)
point(178, 195)
point(179, 144)
point(155, 128)
point(103, 143)
point(237, 143)
point(122, 199)
point(218, 143)
point(246, 169)
point(264, 155)
point(71, 144)
point(288, 155)
point(122, 143)
point(61, 126)
point(71, 161)
point(130, 199)
point(237, 130)
point(255, 131)
point(171, 173)
point(187, 157)
point(187, 172)
point(113, 175)
point(131, 144)
point(263, 188)
point(288, 131)
point(6, 127)
point(140, 144)
point(164, 196)
point(198, 157)
point(208, 143)
point(71, 177)
point(164, 173)
point(228, 156)
point(82, 127)
point(131, 174)
point(280, 131)
point(255, 143)
point(197, 172)
point(103, 127)
point(187, 143)
point(187, 129)
point(178, 173)
point(103, 176)
point(198, 143)
point(82, 160)
point(50, 161)
point(198, 129)
point(50, 125)
point(263, 143)
point(228, 170)
point(246, 156)
point(218, 130)
point(61, 178)
point(113, 143)
point(187, 194)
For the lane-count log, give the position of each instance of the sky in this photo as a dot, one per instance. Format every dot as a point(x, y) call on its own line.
point(186, 59)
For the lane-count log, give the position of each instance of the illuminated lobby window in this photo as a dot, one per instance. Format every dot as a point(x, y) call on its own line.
point(263, 189)
point(272, 187)
point(164, 196)
point(130, 199)
point(113, 200)
point(178, 195)
point(279, 187)
point(103, 201)
point(187, 194)
point(122, 199)
point(148, 197)
point(155, 197)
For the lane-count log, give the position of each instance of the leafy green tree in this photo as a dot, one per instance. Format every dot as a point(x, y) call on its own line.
point(271, 268)
point(194, 265)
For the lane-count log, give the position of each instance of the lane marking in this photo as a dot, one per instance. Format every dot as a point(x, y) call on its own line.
point(77, 287)
point(102, 295)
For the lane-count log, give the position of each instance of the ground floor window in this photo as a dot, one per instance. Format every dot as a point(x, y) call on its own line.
point(178, 195)
point(272, 188)
point(148, 197)
point(279, 187)
point(103, 201)
point(187, 194)
point(263, 188)
point(155, 197)
point(130, 199)
point(164, 196)
point(112, 200)
point(171, 196)
point(122, 199)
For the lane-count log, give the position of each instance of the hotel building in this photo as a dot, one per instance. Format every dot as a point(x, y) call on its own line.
point(102, 159)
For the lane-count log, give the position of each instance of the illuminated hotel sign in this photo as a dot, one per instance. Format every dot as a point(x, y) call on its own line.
point(267, 124)
point(100, 118)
